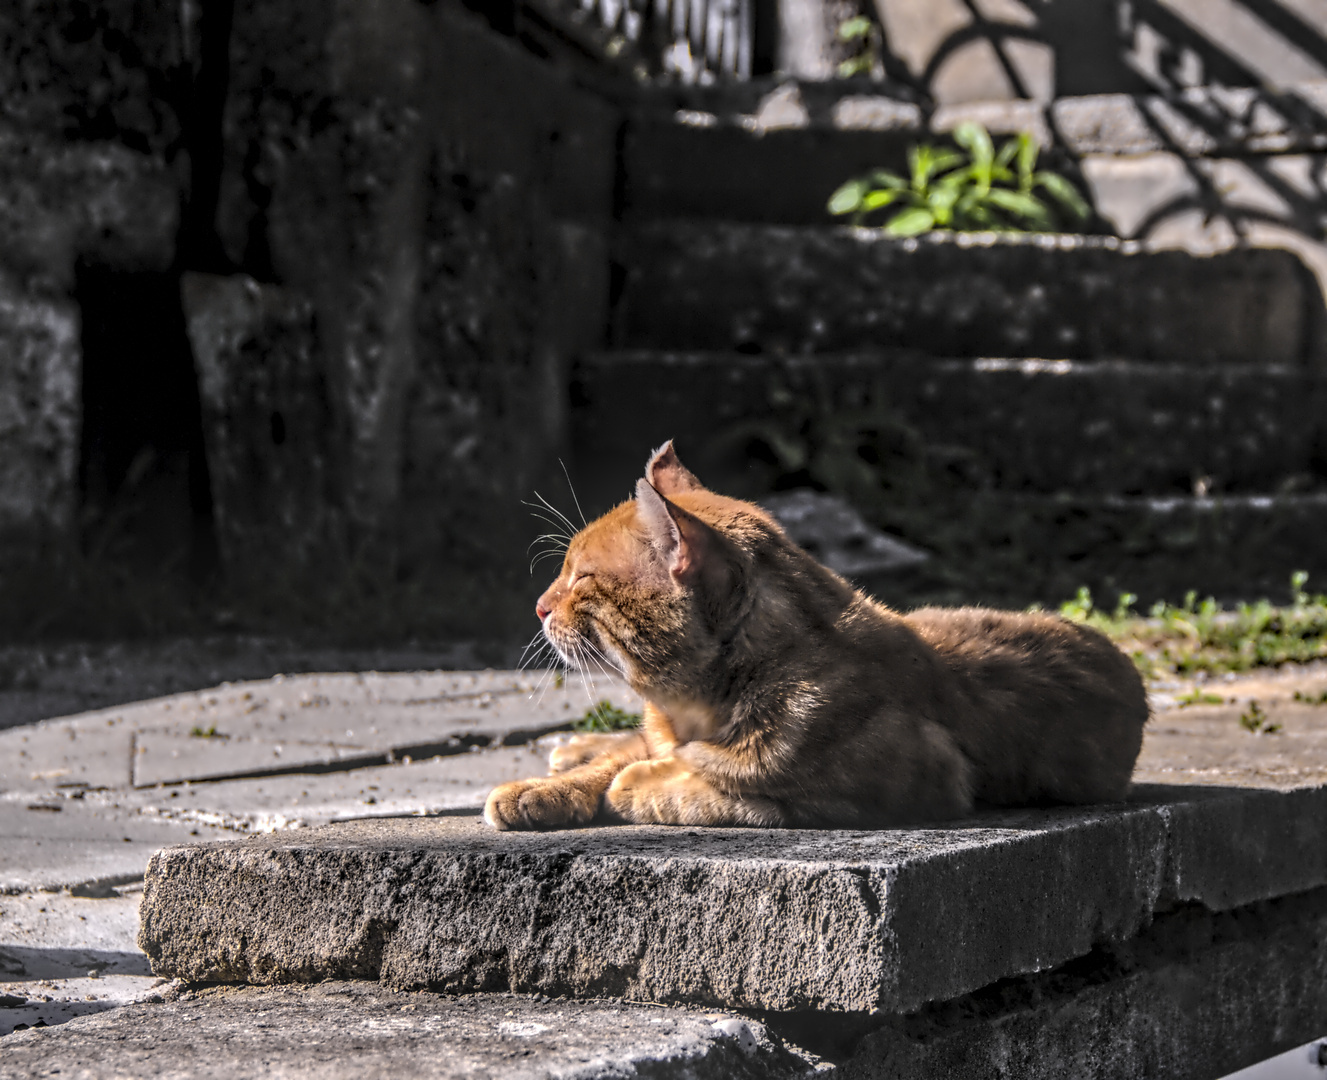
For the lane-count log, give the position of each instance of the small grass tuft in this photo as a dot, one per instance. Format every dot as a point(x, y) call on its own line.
point(1194, 637)
point(209, 732)
point(1197, 697)
point(607, 717)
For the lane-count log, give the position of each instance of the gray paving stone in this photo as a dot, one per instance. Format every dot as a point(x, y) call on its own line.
point(293, 724)
point(63, 956)
point(49, 843)
point(267, 804)
point(338, 1030)
point(776, 919)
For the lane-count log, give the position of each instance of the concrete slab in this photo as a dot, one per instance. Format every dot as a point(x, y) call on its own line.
point(438, 785)
point(64, 956)
point(777, 919)
point(339, 1030)
point(56, 843)
point(305, 723)
point(38, 682)
point(1195, 997)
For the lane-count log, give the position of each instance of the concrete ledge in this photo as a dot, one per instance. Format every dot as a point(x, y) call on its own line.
point(1101, 427)
point(342, 1030)
point(778, 289)
point(1196, 996)
point(771, 920)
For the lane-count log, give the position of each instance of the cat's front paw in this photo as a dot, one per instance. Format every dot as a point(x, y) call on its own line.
point(658, 793)
point(539, 804)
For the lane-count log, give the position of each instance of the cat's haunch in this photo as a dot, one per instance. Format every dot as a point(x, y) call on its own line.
point(777, 694)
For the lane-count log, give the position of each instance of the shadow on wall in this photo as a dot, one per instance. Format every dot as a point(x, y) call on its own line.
point(1224, 132)
point(986, 50)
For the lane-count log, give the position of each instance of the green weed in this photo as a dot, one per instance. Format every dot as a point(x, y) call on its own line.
point(607, 717)
point(1310, 699)
point(209, 732)
point(1255, 721)
point(865, 35)
point(1193, 637)
point(1198, 697)
point(973, 187)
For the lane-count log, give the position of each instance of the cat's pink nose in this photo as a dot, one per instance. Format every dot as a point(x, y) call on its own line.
point(540, 611)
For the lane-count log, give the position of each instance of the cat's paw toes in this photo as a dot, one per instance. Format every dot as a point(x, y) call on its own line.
point(502, 809)
point(526, 804)
point(641, 793)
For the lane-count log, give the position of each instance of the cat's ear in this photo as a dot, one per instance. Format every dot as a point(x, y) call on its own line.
point(667, 474)
point(681, 539)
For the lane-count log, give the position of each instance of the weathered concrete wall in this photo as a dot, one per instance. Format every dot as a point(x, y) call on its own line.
point(267, 427)
point(39, 410)
point(90, 120)
point(441, 200)
point(997, 49)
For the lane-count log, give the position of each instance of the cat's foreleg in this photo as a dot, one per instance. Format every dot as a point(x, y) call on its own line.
point(671, 792)
point(570, 798)
point(656, 730)
point(582, 749)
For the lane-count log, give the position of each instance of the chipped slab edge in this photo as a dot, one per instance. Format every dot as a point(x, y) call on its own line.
point(768, 922)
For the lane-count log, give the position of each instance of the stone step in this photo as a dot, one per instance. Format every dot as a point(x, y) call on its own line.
point(691, 285)
point(813, 136)
point(344, 1030)
point(780, 920)
point(1019, 426)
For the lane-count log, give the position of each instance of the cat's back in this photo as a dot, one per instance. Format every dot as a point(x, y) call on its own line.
point(1045, 708)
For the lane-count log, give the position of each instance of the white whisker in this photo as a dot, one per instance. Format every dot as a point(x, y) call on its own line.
point(573, 492)
point(542, 508)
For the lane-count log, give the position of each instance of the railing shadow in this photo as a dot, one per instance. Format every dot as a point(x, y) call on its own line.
point(1162, 52)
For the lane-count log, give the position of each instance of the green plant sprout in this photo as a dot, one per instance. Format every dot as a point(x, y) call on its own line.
point(1255, 721)
point(862, 30)
point(209, 732)
point(607, 717)
point(968, 189)
point(1310, 699)
point(1198, 697)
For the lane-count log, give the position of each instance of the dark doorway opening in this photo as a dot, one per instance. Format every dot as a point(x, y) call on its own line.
point(146, 496)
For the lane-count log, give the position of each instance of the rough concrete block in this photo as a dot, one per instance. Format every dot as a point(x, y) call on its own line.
point(344, 1030)
point(40, 410)
point(412, 175)
point(1196, 997)
point(797, 290)
point(61, 201)
point(779, 920)
point(118, 69)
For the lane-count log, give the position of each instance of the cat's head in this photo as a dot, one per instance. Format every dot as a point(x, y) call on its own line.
point(656, 587)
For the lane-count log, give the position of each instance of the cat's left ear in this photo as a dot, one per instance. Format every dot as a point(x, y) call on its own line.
point(666, 473)
point(684, 542)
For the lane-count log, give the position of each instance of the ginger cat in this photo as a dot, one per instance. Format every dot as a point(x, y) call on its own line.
point(778, 695)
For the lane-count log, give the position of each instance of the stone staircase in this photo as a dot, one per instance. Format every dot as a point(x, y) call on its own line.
point(1041, 412)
